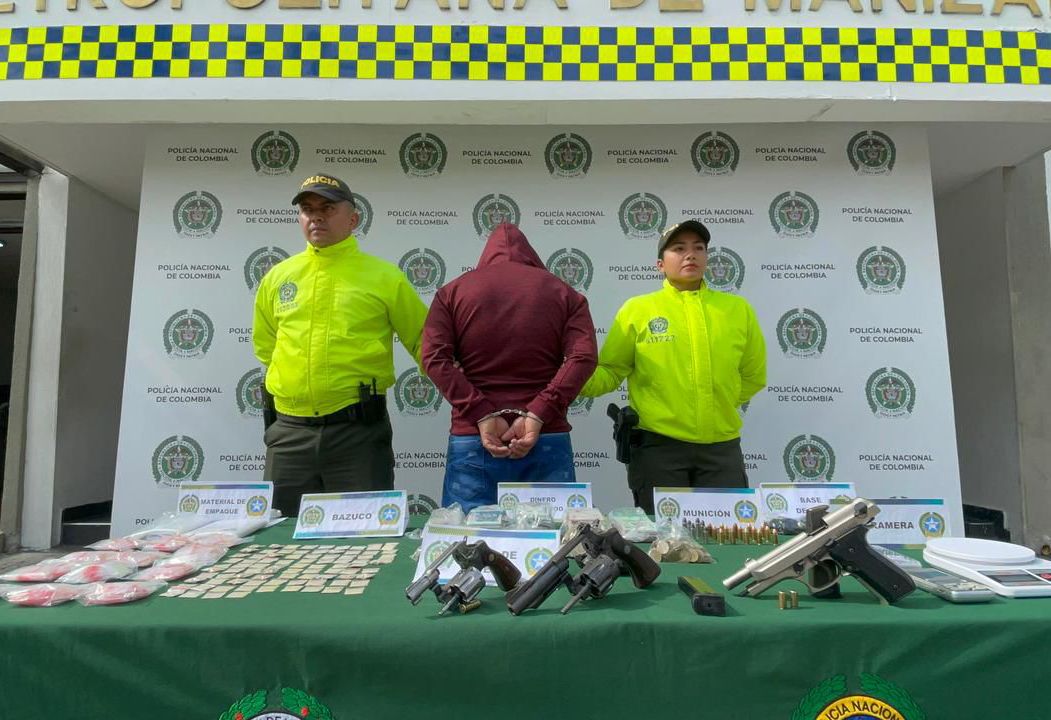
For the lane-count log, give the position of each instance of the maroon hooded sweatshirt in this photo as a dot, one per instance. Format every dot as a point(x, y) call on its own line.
point(522, 337)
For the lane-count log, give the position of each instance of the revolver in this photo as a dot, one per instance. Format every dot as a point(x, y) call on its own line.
point(465, 586)
point(834, 543)
point(607, 557)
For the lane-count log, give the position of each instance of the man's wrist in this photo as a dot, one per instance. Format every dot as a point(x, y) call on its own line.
point(510, 411)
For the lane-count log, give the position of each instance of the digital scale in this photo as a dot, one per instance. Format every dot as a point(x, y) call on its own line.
point(1007, 569)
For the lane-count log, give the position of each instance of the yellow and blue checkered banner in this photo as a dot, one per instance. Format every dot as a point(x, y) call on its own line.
point(827, 230)
point(523, 53)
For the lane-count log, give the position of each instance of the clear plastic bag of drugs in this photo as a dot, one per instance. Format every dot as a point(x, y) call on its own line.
point(119, 593)
point(99, 572)
point(43, 571)
point(42, 595)
point(452, 515)
point(633, 524)
point(534, 516)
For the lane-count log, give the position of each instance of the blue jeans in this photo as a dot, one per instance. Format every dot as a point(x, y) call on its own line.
point(471, 473)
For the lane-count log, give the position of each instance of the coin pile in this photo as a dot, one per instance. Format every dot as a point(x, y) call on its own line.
point(680, 551)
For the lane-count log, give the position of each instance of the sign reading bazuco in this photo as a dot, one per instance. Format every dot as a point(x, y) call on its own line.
point(891, 393)
point(871, 153)
point(494, 210)
point(415, 394)
point(809, 458)
point(881, 271)
point(188, 334)
point(423, 155)
point(801, 333)
point(572, 266)
point(424, 268)
point(197, 214)
point(259, 264)
point(725, 270)
point(642, 216)
point(879, 699)
point(176, 459)
point(715, 153)
point(568, 156)
point(794, 214)
point(275, 153)
point(250, 393)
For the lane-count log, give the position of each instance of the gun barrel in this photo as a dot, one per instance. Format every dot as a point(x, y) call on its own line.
point(416, 590)
point(738, 577)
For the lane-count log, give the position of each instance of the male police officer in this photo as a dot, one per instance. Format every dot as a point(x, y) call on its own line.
point(692, 356)
point(324, 325)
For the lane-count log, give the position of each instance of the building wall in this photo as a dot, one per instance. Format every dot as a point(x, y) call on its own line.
point(972, 240)
point(8, 298)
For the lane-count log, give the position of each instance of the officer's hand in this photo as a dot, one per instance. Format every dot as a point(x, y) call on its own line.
point(522, 436)
point(491, 431)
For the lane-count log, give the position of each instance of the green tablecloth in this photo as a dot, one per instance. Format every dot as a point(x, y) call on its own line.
point(632, 654)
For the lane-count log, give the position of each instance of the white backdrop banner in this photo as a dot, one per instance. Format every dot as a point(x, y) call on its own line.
point(828, 230)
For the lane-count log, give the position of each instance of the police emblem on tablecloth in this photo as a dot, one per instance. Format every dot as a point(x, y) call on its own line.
point(879, 699)
point(891, 393)
point(188, 334)
point(294, 705)
point(535, 559)
point(809, 458)
point(573, 267)
point(932, 524)
point(178, 458)
point(492, 211)
point(189, 505)
point(423, 155)
point(365, 215)
point(568, 156)
point(801, 333)
point(424, 268)
point(259, 264)
point(420, 504)
point(871, 153)
point(746, 512)
point(275, 153)
point(312, 516)
point(715, 153)
point(389, 515)
point(668, 508)
point(642, 216)
point(197, 214)
point(794, 214)
point(725, 270)
point(257, 506)
point(415, 394)
point(881, 271)
point(250, 393)
point(434, 551)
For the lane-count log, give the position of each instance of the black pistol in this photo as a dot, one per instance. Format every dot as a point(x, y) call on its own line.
point(625, 420)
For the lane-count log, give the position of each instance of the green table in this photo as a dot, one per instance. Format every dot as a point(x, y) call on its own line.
point(633, 654)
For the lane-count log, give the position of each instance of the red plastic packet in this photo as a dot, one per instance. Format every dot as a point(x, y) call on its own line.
point(100, 572)
point(168, 570)
point(117, 544)
point(118, 593)
point(163, 543)
point(44, 571)
point(44, 595)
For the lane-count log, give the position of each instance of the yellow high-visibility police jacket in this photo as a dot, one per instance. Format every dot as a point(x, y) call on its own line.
point(324, 322)
point(691, 359)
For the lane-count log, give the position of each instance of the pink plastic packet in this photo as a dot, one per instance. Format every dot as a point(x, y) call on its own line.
point(44, 595)
point(164, 543)
point(141, 558)
point(118, 593)
point(44, 571)
point(100, 572)
point(219, 539)
point(168, 570)
point(117, 544)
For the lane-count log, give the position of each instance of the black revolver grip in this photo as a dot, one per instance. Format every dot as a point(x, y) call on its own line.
point(881, 576)
point(642, 568)
point(505, 572)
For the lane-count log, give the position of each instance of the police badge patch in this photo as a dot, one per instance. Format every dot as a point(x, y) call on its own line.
point(178, 458)
point(188, 334)
point(568, 156)
point(809, 458)
point(424, 269)
point(494, 210)
point(794, 214)
point(715, 153)
point(250, 393)
point(891, 393)
point(725, 271)
point(642, 216)
point(878, 698)
point(871, 153)
point(573, 267)
point(881, 271)
point(260, 262)
point(415, 394)
point(423, 155)
point(801, 333)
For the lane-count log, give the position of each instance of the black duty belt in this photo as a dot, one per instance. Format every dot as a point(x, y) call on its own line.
point(350, 414)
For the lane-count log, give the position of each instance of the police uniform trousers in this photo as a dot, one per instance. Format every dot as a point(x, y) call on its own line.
point(330, 454)
point(661, 461)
